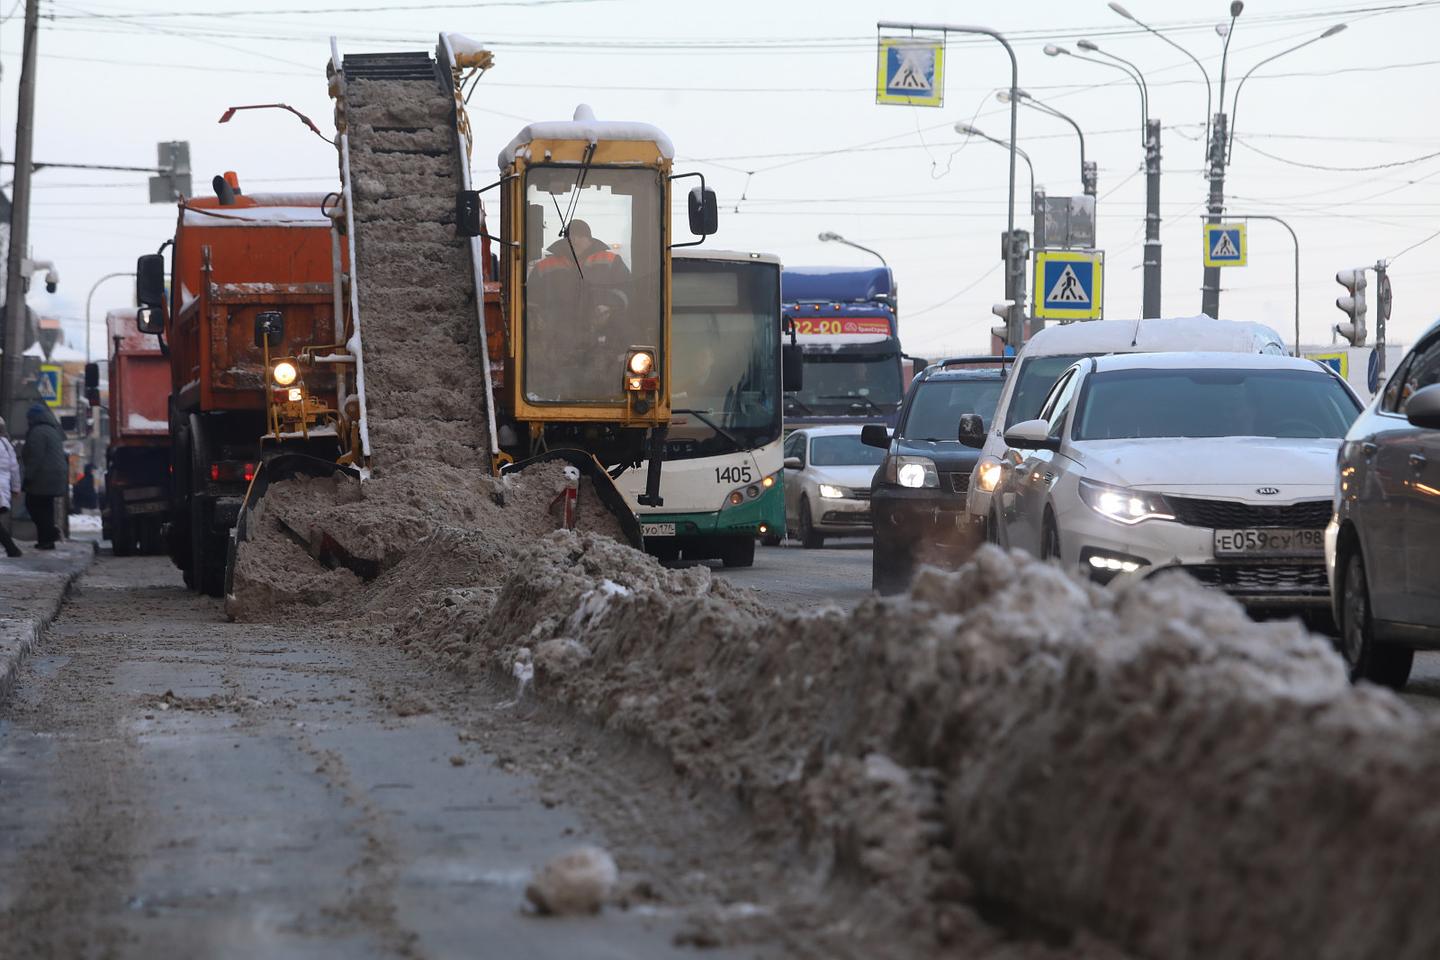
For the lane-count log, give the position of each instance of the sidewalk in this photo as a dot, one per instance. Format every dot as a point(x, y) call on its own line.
point(31, 590)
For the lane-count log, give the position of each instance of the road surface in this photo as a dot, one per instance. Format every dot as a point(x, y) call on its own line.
point(175, 785)
point(837, 573)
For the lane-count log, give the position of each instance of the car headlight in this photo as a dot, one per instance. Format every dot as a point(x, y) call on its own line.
point(914, 472)
point(1123, 504)
point(285, 373)
point(988, 473)
point(641, 362)
point(831, 492)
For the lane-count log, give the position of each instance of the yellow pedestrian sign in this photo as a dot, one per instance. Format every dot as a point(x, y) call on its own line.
point(51, 384)
point(1225, 245)
point(910, 71)
point(1069, 284)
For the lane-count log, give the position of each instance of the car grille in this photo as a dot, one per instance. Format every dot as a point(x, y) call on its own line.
point(960, 482)
point(859, 493)
point(1256, 579)
point(846, 517)
point(1225, 515)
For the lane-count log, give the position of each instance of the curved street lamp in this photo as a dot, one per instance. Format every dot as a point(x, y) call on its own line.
point(830, 236)
point(967, 130)
point(1209, 101)
point(1235, 100)
point(1087, 182)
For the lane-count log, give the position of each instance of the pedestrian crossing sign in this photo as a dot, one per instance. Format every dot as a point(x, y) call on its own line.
point(911, 70)
point(1225, 245)
point(50, 384)
point(1069, 284)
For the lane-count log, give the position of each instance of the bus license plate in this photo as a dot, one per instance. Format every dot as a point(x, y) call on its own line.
point(1269, 542)
point(658, 529)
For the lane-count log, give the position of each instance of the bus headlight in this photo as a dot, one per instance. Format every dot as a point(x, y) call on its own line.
point(641, 362)
point(285, 373)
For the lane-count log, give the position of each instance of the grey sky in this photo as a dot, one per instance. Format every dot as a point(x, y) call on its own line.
point(786, 90)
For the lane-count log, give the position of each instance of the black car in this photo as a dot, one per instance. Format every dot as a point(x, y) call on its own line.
point(917, 498)
point(1384, 541)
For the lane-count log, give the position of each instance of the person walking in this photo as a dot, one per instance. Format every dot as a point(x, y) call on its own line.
point(9, 487)
point(83, 494)
point(46, 472)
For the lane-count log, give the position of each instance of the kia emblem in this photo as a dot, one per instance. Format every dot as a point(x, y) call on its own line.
point(1267, 491)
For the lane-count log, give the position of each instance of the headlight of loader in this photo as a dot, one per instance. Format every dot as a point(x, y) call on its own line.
point(1123, 504)
point(285, 373)
point(641, 363)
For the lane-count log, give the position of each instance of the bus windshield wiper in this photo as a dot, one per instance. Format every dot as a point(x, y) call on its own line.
point(701, 416)
point(858, 398)
point(801, 405)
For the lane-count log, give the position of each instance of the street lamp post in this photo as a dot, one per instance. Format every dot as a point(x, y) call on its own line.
point(89, 298)
point(830, 236)
point(1296, 240)
point(1014, 246)
point(1087, 178)
point(966, 130)
point(1150, 138)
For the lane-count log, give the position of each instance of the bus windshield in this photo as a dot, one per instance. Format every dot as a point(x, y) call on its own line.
point(860, 380)
point(725, 335)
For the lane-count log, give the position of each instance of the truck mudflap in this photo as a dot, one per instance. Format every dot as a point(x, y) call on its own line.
point(286, 466)
point(610, 497)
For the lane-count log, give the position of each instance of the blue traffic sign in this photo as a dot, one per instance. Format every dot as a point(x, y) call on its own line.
point(1372, 372)
point(911, 71)
point(1068, 284)
point(49, 384)
point(1225, 245)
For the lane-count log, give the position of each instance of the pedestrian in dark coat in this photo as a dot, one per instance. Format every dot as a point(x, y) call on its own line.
point(46, 472)
point(82, 495)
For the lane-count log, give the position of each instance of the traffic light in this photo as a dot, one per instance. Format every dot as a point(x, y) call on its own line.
point(1353, 303)
point(173, 181)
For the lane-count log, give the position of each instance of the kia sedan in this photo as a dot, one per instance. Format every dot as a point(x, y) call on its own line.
point(1217, 465)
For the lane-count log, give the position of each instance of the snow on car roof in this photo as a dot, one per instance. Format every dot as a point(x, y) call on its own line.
point(1169, 333)
point(585, 127)
point(832, 430)
point(1202, 360)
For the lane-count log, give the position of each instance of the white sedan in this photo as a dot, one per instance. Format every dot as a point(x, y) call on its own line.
point(1220, 465)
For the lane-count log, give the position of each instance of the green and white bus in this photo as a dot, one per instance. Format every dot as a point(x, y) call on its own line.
point(723, 464)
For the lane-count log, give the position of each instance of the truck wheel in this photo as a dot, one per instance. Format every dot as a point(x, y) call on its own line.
point(809, 539)
point(152, 538)
point(738, 552)
point(122, 531)
point(207, 557)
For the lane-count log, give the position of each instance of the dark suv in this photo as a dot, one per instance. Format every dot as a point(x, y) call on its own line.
point(1383, 544)
point(917, 498)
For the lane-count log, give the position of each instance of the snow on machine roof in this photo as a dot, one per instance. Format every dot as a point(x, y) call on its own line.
point(585, 127)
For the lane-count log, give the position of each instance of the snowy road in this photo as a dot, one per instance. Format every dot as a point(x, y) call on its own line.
point(175, 785)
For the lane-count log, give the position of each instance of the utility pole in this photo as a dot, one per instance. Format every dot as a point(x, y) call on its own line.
point(1150, 307)
point(15, 281)
point(1215, 211)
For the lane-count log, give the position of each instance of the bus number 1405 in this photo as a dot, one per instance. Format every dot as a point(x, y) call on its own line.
point(736, 474)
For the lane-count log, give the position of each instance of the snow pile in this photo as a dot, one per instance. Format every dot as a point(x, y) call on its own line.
point(579, 881)
point(1150, 765)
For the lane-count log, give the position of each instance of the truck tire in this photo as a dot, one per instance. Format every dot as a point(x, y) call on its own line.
point(177, 527)
point(152, 538)
point(738, 551)
point(122, 529)
point(207, 558)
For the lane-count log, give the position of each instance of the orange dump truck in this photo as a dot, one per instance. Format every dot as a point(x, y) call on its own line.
point(243, 268)
point(137, 463)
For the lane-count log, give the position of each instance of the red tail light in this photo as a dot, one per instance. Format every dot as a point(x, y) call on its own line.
point(231, 471)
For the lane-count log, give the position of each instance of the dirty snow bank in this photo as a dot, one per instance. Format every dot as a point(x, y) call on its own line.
point(1150, 765)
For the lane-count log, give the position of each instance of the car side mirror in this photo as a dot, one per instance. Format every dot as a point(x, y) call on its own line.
point(1423, 407)
point(150, 283)
point(792, 366)
point(269, 328)
point(1032, 435)
point(150, 320)
point(875, 435)
point(972, 430)
point(704, 211)
point(793, 463)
